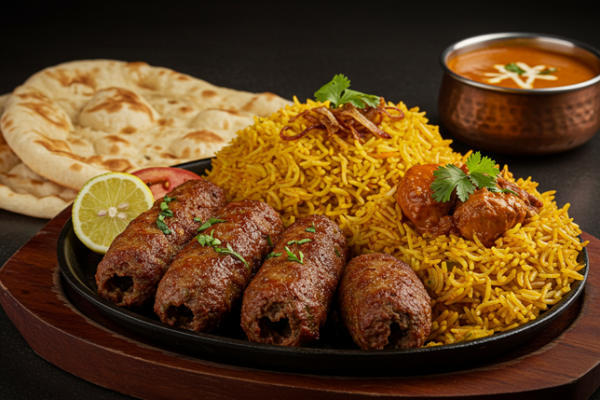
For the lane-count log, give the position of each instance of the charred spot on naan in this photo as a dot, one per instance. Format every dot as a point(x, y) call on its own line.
point(7, 122)
point(120, 98)
point(118, 110)
point(209, 93)
point(62, 148)
point(53, 145)
point(204, 137)
point(34, 95)
point(49, 113)
point(75, 167)
point(128, 130)
point(114, 145)
point(69, 77)
point(166, 122)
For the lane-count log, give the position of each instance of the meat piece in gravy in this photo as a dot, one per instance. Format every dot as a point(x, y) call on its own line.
point(488, 215)
point(415, 198)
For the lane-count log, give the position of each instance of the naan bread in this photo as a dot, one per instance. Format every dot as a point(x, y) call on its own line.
point(25, 192)
point(71, 122)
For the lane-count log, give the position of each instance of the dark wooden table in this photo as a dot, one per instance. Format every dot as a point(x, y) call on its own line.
point(386, 48)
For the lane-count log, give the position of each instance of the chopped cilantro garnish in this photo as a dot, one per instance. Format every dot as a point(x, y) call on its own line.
point(482, 173)
point(164, 208)
point(272, 254)
point(547, 71)
point(337, 253)
point(512, 67)
point(211, 221)
point(337, 93)
point(293, 257)
point(160, 223)
point(208, 240)
point(269, 241)
point(301, 241)
point(229, 250)
point(164, 212)
point(311, 229)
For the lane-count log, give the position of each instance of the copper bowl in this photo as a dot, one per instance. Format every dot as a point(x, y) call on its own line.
point(520, 121)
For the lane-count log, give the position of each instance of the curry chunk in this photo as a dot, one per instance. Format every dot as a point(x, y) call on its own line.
point(488, 215)
point(415, 198)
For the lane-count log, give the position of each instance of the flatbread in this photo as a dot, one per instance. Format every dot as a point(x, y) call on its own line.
point(25, 192)
point(71, 122)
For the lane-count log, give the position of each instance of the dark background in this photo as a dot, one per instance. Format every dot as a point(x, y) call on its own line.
point(386, 48)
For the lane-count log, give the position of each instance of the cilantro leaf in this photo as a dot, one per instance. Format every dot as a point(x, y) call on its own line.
point(495, 189)
point(293, 257)
point(272, 254)
point(485, 165)
point(449, 178)
point(311, 229)
point(162, 226)
point(337, 253)
point(482, 171)
point(480, 180)
point(301, 241)
point(333, 90)
point(164, 207)
point(269, 241)
point(547, 71)
point(359, 99)
point(164, 212)
point(482, 174)
point(204, 239)
point(211, 221)
point(337, 93)
point(229, 250)
point(512, 67)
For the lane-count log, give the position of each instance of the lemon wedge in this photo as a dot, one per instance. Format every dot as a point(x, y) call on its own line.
point(106, 205)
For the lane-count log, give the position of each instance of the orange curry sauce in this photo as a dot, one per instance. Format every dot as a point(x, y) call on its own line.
point(479, 65)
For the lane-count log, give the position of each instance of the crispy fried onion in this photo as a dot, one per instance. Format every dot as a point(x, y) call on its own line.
point(345, 121)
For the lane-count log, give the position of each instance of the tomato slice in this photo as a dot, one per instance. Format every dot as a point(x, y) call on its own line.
point(161, 180)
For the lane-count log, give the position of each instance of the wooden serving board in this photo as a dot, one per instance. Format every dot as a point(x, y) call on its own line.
point(561, 362)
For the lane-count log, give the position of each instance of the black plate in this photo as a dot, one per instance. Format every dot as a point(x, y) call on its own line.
point(333, 354)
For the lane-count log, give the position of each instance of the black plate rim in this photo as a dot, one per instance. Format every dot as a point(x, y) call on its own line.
point(338, 354)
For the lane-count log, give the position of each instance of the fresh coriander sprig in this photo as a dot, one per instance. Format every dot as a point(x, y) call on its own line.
point(337, 93)
point(229, 250)
point(165, 212)
point(482, 173)
point(211, 221)
point(293, 257)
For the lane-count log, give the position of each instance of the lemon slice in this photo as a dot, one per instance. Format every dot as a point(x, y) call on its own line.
point(106, 205)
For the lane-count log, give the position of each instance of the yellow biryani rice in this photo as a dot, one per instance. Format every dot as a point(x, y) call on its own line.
point(476, 291)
